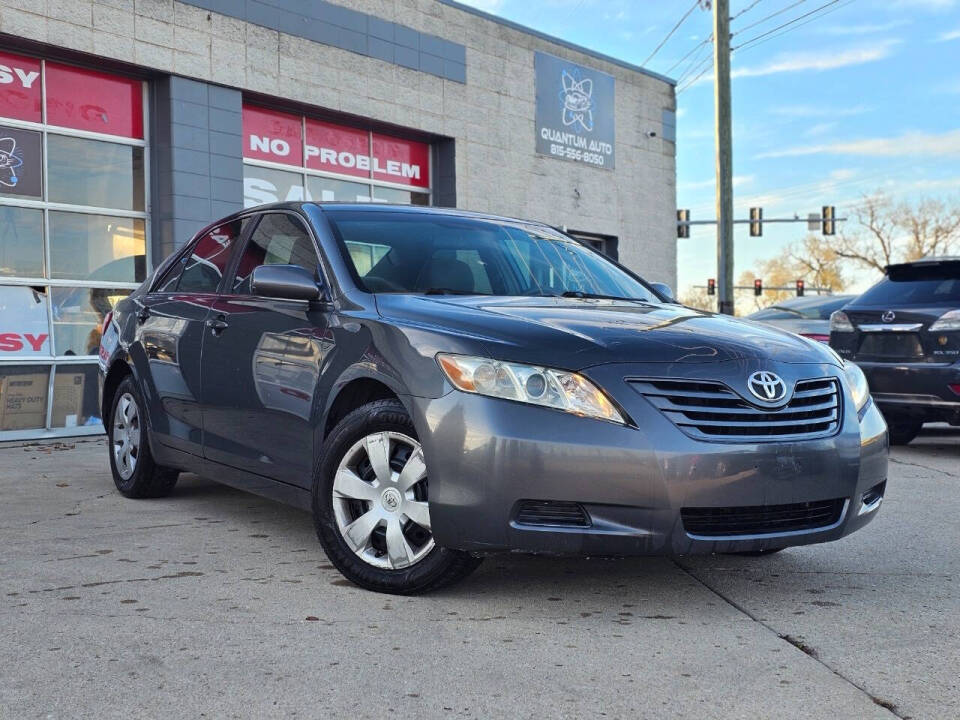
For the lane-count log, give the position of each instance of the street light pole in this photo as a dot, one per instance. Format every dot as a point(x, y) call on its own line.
point(724, 154)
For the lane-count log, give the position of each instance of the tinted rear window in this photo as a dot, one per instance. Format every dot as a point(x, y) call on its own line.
point(939, 285)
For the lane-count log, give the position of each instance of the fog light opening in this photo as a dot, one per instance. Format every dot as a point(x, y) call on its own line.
point(872, 498)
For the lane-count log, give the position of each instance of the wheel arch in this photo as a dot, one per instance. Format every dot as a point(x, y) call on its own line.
point(354, 390)
point(115, 375)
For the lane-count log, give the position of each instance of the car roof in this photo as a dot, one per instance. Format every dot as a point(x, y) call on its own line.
point(929, 261)
point(811, 300)
point(381, 207)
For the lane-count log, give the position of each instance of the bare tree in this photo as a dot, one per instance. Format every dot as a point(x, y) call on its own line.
point(891, 232)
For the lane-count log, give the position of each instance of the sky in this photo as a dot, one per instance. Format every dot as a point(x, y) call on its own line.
point(859, 97)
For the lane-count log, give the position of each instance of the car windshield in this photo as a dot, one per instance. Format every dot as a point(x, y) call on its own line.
point(916, 285)
point(424, 253)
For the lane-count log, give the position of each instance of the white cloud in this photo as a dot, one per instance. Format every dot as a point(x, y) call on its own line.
point(908, 144)
point(842, 173)
point(819, 129)
point(934, 5)
point(949, 35)
point(817, 61)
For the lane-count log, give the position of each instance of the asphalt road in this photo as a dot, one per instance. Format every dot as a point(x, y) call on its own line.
point(213, 603)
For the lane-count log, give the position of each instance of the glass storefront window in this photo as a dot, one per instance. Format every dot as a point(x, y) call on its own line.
point(94, 173)
point(75, 402)
point(24, 323)
point(21, 163)
point(74, 194)
point(324, 189)
point(263, 185)
point(23, 396)
point(78, 315)
point(21, 242)
point(393, 195)
point(97, 247)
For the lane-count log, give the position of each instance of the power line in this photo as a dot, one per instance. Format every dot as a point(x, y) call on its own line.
point(746, 9)
point(695, 65)
point(672, 31)
point(750, 44)
point(786, 24)
point(771, 15)
point(699, 75)
point(692, 50)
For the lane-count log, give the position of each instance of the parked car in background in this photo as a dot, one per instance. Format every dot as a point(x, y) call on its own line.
point(436, 385)
point(808, 316)
point(904, 333)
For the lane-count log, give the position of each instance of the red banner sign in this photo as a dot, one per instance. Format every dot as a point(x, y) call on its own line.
point(21, 94)
point(276, 137)
point(94, 101)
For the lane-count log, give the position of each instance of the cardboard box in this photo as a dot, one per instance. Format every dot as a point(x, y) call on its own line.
point(23, 401)
point(67, 398)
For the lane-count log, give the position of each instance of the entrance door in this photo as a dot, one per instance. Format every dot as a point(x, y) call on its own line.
point(261, 362)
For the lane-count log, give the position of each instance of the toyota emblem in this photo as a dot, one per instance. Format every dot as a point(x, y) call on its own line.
point(767, 386)
point(889, 316)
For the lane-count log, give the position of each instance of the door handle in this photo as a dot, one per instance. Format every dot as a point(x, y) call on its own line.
point(217, 325)
point(143, 314)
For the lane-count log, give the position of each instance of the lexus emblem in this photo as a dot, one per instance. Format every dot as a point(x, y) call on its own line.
point(767, 386)
point(889, 316)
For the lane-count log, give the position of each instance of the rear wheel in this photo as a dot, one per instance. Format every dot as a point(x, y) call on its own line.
point(902, 428)
point(135, 473)
point(371, 505)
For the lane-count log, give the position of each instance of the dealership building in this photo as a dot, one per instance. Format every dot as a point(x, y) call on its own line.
point(127, 125)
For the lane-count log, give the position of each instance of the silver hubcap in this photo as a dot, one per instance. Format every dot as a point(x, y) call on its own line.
point(380, 501)
point(126, 436)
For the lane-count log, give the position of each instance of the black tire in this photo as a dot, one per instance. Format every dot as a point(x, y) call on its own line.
point(902, 428)
point(438, 567)
point(147, 480)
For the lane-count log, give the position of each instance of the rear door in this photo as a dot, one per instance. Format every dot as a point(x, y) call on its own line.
point(262, 361)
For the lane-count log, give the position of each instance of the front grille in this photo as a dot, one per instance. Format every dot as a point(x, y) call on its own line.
point(709, 410)
point(551, 513)
point(761, 519)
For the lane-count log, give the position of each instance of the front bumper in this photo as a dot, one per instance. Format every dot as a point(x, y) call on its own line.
point(486, 455)
point(915, 388)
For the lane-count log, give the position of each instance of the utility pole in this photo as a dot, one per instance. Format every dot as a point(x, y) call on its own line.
point(724, 154)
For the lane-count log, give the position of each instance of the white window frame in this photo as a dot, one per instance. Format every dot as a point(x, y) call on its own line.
point(53, 361)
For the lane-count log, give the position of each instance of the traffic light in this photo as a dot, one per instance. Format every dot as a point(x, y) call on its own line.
point(758, 287)
point(756, 222)
point(683, 216)
point(799, 288)
point(712, 286)
point(826, 218)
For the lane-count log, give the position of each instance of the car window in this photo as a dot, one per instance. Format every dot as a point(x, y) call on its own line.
point(206, 263)
point(916, 286)
point(425, 253)
point(279, 239)
point(775, 313)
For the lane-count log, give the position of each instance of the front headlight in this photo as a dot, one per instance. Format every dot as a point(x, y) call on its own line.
point(858, 384)
point(531, 384)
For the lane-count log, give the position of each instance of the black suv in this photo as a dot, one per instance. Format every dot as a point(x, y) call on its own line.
point(904, 333)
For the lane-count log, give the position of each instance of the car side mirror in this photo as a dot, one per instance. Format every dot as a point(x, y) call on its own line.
point(664, 290)
point(290, 282)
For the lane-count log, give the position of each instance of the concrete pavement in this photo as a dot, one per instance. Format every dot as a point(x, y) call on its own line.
point(213, 603)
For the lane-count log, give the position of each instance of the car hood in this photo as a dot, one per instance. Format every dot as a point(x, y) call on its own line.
point(575, 333)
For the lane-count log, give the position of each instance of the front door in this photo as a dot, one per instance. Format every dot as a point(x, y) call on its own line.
point(261, 363)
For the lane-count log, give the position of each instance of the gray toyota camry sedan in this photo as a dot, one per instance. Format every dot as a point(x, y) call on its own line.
point(436, 385)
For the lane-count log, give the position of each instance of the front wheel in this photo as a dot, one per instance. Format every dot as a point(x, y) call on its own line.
point(371, 505)
point(902, 428)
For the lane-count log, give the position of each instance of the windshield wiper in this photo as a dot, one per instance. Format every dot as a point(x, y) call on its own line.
point(597, 296)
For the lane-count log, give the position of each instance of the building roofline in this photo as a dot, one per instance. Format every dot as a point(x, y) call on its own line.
point(558, 41)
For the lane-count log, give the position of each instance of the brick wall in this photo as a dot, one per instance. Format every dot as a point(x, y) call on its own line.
point(490, 117)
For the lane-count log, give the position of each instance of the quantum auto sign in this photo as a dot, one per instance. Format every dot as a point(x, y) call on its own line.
point(304, 142)
point(574, 112)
